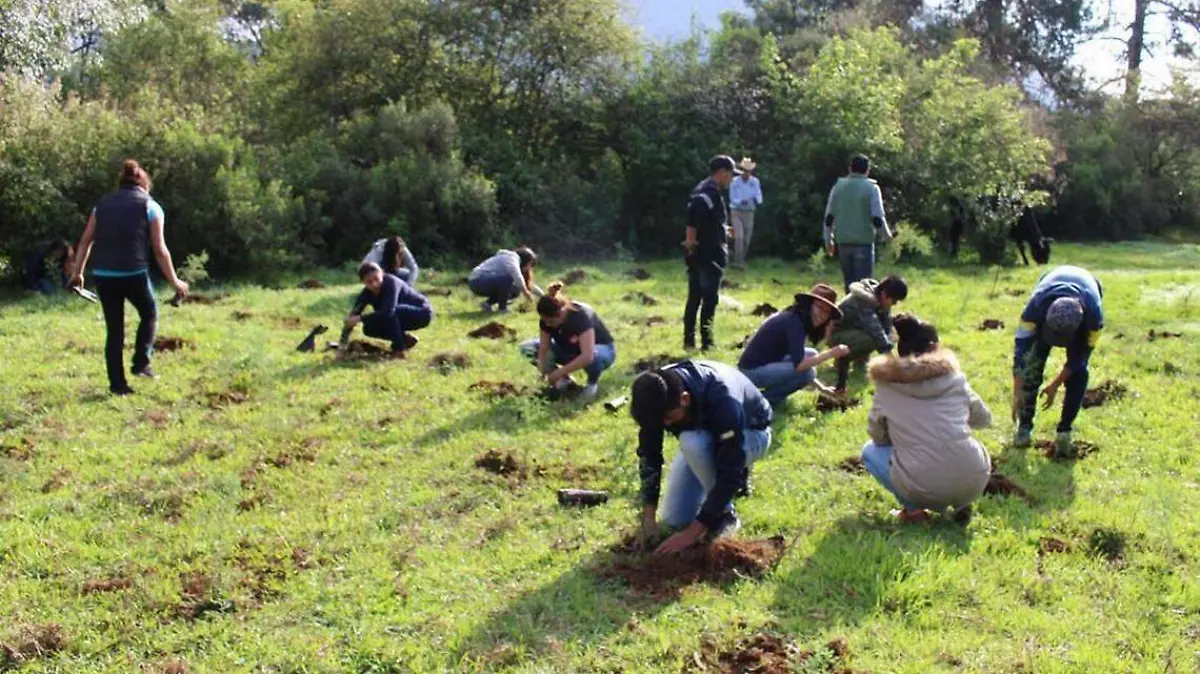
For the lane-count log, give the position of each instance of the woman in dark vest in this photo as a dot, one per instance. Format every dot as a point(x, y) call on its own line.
point(122, 230)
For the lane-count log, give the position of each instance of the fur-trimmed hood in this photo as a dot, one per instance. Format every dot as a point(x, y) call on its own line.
point(925, 376)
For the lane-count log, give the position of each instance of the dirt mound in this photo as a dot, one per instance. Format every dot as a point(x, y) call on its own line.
point(1053, 545)
point(1079, 449)
point(199, 597)
point(32, 642)
point(852, 464)
point(493, 461)
point(1162, 334)
point(493, 330)
point(18, 449)
point(498, 389)
point(366, 350)
point(242, 315)
point(650, 321)
point(97, 585)
point(1015, 292)
point(766, 653)
point(642, 297)
point(640, 274)
point(437, 292)
point(451, 360)
point(311, 284)
point(999, 485)
point(554, 394)
point(730, 284)
point(991, 324)
point(723, 561)
point(764, 309)
point(166, 344)
point(829, 404)
point(222, 399)
point(654, 362)
point(574, 276)
point(178, 299)
point(1109, 390)
point(57, 481)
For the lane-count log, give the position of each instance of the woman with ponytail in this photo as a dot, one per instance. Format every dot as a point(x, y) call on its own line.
point(572, 338)
point(393, 257)
point(503, 277)
point(122, 230)
point(921, 447)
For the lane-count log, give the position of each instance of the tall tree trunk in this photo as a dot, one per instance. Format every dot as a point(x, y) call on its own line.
point(1133, 66)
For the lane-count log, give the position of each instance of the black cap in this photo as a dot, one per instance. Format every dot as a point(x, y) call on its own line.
point(723, 162)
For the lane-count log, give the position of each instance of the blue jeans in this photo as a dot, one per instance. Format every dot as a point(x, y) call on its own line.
point(779, 380)
point(603, 356)
point(858, 262)
point(877, 459)
point(694, 472)
point(497, 287)
point(404, 319)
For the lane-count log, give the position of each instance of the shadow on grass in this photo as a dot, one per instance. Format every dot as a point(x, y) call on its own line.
point(854, 568)
point(1051, 485)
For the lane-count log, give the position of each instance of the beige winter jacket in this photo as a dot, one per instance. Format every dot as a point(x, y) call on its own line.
point(925, 409)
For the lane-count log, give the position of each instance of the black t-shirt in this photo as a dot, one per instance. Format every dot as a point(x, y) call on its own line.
point(580, 319)
point(706, 212)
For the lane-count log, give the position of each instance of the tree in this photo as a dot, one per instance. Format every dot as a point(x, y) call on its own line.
point(38, 38)
point(1184, 18)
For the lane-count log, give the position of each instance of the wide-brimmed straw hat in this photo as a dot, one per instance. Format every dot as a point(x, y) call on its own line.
point(825, 295)
point(747, 164)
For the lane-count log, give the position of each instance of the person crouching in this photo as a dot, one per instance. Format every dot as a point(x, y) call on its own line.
point(572, 338)
point(398, 309)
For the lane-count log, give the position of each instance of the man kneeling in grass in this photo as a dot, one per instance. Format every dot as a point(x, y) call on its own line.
point(399, 309)
point(723, 423)
point(866, 322)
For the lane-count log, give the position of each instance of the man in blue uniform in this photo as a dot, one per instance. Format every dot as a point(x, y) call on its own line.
point(1064, 311)
point(723, 423)
point(706, 250)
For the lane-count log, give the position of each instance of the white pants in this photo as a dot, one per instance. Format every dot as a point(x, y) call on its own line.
point(743, 231)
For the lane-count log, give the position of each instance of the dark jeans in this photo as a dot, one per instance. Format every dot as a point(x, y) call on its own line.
point(858, 262)
point(497, 288)
point(1032, 372)
point(113, 292)
point(406, 318)
point(704, 290)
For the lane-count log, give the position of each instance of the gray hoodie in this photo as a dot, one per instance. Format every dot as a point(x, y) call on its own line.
point(925, 409)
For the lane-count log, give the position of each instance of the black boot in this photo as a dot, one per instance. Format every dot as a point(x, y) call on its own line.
point(744, 490)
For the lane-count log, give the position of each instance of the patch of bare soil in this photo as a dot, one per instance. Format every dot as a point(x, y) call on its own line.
point(500, 463)
point(291, 322)
point(1109, 390)
point(553, 394)
point(199, 597)
point(730, 284)
point(650, 321)
point(175, 666)
point(222, 399)
point(1079, 449)
point(767, 653)
point(655, 362)
point(1047, 544)
point(1109, 544)
point(450, 360)
point(32, 642)
point(639, 296)
point(764, 309)
point(18, 449)
point(98, 585)
point(1162, 334)
point(498, 389)
point(57, 481)
point(830, 404)
point(364, 350)
point(574, 276)
point(242, 315)
point(640, 274)
point(1015, 292)
point(437, 292)
point(493, 330)
point(852, 464)
point(722, 561)
point(1000, 485)
point(197, 299)
point(157, 418)
point(991, 324)
point(252, 502)
point(168, 344)
point(311, 284)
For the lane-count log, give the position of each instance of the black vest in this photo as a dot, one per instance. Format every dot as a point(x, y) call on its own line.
point(122, 241)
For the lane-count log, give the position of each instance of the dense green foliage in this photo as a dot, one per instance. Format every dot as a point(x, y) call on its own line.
point(262, 510)
point(291, 131)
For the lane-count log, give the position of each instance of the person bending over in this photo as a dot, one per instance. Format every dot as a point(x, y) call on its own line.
point(723, 423)
point(921, 447)
point(572, 338)
point(866, 321)
point(393, 256)
point(504, 276)
point(398, 309)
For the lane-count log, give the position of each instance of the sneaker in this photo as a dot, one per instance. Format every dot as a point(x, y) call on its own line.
point(1062, 444)
point(146, 372)
point(588, 394)
point(962, 516)
point(1023, 438)
point(120, 390)
point(486, 307)
point(410, 340)
point(730, 525)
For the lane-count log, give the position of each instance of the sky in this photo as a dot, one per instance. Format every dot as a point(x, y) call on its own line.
point(1100, 58)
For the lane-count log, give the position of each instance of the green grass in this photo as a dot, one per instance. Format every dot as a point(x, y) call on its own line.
point(334, 521)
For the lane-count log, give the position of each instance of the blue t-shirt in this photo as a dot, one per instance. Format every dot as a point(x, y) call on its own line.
point(153, 211)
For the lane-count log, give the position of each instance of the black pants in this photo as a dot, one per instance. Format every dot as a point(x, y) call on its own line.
point(704, 290)
point(113, 292)
point(405, 319)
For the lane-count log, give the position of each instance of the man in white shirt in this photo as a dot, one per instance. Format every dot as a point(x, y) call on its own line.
point(745, 195)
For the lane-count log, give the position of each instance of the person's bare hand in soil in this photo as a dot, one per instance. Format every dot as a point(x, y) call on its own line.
point(682, 540)
point(1048, 395)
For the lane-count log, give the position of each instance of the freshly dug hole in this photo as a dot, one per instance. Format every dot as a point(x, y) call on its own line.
point(450, 360)
point(493, 330)
point(574, 276)
point(498, 389)
point(722, 561)
point(168, 344)
point(827, 404)
point(642, 297)
point(991, 324)
point(764, 309)
point(1162, 334)
point(366, 350)
point(999, 485)
point(311, 284)
point(493, 461)
point(1079, 449)
point(639, 273)
point(852, 464)
point(1109, 390)
point(34, 641)
point(654, 362)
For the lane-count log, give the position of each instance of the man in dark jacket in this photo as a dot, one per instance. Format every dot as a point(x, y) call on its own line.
point(399, 309)
point(706, 250)
point(866, 322)
point(723, 424)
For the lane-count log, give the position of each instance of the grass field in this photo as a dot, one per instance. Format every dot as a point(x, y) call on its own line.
point(262, 510)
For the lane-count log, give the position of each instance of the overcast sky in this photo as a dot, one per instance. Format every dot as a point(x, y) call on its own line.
point(1101, 58)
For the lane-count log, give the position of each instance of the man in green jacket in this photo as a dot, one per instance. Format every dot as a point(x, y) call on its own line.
point(866, 322)
point(854, 221)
